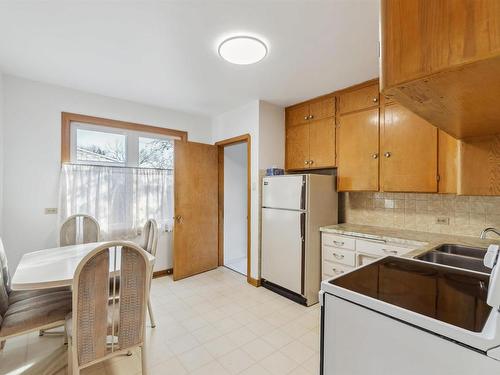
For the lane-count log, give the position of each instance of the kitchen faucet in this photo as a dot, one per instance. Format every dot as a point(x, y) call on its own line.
point(487, 230)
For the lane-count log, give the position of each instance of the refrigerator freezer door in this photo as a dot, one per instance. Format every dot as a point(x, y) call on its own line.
point(287, 192)
point(282, 247)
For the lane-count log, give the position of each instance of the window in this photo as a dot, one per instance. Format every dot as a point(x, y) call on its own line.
point(95, 144)
point(120, 173)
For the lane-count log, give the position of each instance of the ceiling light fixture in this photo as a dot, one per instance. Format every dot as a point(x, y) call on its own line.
point(242, 50)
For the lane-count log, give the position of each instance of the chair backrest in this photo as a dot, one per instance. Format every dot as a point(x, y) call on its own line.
point(99, 314)
point(78, 229)
point(4, 267)
point(149, 239)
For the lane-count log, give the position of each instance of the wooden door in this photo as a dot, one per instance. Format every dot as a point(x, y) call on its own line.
point(297, 115)
point(323, 108)
point(297, 147)
point(408, 152)
point(322, 143)
point(196, 208)
point(358, 151)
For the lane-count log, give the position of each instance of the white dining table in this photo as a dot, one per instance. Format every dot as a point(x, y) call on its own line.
point(55, 267)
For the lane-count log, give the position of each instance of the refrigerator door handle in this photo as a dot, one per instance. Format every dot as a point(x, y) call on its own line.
point(303, 261)
point(303, 194)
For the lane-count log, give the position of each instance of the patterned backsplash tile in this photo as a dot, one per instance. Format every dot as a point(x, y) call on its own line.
point(438, 213)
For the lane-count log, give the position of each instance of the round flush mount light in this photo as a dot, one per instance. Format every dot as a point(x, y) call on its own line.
point(243, 50)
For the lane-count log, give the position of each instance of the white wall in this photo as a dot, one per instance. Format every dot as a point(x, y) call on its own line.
point(265, 124)
point(1, 151)
point(32, 128)
point(235, 204)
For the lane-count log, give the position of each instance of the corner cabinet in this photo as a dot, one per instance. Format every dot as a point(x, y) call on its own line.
point(310, 135)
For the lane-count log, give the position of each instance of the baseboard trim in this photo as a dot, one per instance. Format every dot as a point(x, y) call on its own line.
point(162, 273)
point(254, 282)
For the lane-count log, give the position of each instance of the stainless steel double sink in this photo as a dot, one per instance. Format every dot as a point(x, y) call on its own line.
point(469, 258)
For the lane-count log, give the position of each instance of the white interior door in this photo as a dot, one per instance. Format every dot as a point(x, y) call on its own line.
point(282, 248)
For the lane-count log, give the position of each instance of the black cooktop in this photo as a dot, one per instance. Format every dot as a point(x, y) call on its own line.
point(450, 295)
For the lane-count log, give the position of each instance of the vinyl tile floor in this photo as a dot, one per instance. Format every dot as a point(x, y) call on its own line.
point(214, 323)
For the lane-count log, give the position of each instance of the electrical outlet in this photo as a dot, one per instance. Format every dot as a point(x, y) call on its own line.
point(443, 220)
point(51, 211)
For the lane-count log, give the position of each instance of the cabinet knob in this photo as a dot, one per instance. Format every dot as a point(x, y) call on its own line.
point(306, 117)
point(306, 162)
point(387, 154)
point(311, 117)
point(375, 156)
point(375, 99)
point(311, 161)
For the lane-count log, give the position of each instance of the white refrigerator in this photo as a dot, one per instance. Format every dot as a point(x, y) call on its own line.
point(294, 207)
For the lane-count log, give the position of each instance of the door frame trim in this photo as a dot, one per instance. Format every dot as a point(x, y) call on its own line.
point(245, 138)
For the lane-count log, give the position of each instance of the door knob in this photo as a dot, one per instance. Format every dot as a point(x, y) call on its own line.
point(375, 156)
point(387, 154)
point(375, 99)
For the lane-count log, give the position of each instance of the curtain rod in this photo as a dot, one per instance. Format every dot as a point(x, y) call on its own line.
point(116, 166)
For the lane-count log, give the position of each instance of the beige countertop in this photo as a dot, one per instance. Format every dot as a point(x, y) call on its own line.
point(424, 240)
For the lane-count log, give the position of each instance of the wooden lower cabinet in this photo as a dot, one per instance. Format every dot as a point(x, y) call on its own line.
point(358, 151)
point(408, 148)
point(322, 143)
point(297, 147)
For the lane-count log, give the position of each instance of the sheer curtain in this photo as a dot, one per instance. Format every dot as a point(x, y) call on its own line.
point(121, 199)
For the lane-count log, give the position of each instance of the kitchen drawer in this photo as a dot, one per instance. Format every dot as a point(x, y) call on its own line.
point(381, 248)
point(338, 241)
point(342, 256)
point(334, 269)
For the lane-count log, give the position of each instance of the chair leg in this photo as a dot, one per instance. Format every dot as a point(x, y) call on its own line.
point(70, 358)
point(151, 316)
point(2, 345)
point(144, 360)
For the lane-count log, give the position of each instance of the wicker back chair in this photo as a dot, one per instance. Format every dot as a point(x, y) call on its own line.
point(102, 327)
point(78, 229)
point(149, 242)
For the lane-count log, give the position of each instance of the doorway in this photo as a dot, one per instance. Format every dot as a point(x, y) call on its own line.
point(234, 204)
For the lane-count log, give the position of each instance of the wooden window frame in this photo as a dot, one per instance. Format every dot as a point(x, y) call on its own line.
point(67, 118)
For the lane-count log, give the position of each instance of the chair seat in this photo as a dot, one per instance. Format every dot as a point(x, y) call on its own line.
point(35, 313)
point(20, 295)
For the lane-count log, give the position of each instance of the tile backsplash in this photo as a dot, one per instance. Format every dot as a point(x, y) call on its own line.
point(439, 213)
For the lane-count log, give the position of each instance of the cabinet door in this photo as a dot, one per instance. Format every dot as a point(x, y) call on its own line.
point(362, 98)
point(322, 109)
point(408, 152)
point(322, 143)
point(447, 163)
point(297, 115)
point(297, 147)
point(358, 157)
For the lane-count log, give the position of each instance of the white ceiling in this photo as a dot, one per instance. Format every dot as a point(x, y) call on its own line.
point(164, 52)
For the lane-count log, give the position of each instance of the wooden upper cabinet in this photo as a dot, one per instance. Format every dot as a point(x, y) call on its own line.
point(359, 98)
point(408, 152)
point(321, 109)
point(297, 114)
point(297, 147)
point(479, 165)
point(447, 163)
point(358, 151)
point(322, 143)
point(310, 134)
point(441, 59)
